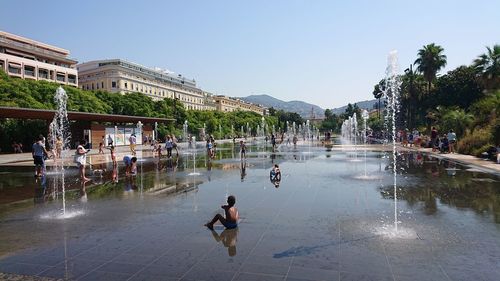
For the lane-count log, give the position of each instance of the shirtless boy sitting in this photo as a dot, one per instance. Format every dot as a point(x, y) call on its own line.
point(232, 216)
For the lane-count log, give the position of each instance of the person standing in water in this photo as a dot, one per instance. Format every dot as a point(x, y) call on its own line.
point(81, 159)
point(39, 154)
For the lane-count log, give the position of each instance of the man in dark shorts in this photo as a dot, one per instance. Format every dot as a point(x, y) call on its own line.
point(39, 153)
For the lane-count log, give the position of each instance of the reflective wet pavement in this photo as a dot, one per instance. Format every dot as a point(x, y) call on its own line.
point(327, 220)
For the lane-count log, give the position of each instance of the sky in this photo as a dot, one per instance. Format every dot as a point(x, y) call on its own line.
point(328, 53)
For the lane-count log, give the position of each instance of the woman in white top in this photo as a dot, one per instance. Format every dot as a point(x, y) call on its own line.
point(81, 160)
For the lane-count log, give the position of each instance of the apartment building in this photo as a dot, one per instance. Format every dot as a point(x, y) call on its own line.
point(227, 104)
point(29, 59)
point(120, 76)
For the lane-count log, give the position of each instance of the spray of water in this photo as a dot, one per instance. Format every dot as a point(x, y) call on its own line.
point(59, 136)
point(392, 85)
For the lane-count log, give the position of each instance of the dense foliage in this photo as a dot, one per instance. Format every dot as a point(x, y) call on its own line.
point(16, 92)
point(465, 99)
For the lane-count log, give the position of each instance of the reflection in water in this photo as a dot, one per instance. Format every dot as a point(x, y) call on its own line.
point(228, 237)
point(41, 195)
point(441, 182)
point(426, 182)
point(83, 192)
point(243, 169)
point(209, 169)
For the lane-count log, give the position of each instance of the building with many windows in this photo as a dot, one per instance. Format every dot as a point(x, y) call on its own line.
point(29, 59)
point(120, 76)
point(227, 104)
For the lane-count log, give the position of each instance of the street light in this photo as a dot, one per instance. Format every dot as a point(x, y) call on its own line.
point(409, 72)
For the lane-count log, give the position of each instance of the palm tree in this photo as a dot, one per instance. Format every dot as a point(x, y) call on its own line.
point(488, 66)
point(430, 60)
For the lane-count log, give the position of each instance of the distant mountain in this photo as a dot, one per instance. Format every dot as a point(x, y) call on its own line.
point(367, 104)
point(302, 108)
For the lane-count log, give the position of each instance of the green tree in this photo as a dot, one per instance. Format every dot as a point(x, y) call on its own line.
point(430, 60)
point(455, 119)
point(487, 66)
point(459, 87)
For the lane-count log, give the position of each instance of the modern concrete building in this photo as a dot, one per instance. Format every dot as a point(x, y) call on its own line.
point(120, 76)
point(29, 59)
point(227, 104)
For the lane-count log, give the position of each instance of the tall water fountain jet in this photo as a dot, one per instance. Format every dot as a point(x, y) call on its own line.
point(185, 131)
point(364, 115)
point(60, 138)
point(263, 126)
point(391, 93)
point(355, 133)
point(59, 135)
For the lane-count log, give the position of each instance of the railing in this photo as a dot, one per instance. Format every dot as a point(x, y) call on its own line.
point(14, 70)
point(43, 75)
point(29, 72)
point(32, 47)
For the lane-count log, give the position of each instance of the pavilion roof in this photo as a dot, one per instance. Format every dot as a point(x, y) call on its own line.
point(45, 114)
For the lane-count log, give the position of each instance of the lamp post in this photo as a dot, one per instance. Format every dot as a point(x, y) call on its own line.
point(409, 72)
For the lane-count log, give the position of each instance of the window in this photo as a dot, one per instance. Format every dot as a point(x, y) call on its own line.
point(126, 86)
point(113, 84)
point(72, 78)
point(60, 77)
point(43, 73)
point(97, 85)
point(14, 68)
point(102, 85)
point(92, 86)
point(29, 71)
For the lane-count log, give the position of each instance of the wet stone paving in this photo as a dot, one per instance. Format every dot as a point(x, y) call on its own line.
point(333, 216)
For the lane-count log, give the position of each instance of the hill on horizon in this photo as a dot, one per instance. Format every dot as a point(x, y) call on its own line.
point(366, 104)
point(302, 108)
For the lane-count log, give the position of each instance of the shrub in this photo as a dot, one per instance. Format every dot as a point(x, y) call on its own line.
point(473, 142)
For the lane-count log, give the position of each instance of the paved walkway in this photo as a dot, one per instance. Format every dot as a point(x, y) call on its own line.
point(94, 158)
point(490, 166)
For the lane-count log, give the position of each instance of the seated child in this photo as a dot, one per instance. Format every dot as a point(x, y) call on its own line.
point(275, 174)
point(130, 165)
point(232, 216)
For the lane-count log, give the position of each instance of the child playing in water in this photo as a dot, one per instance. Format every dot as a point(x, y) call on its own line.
point(113, 155)
point(243, 150)
point(275, 174)
point(232, 216)
point(130, 165)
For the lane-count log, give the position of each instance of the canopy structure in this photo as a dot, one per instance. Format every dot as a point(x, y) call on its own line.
point(43, 114)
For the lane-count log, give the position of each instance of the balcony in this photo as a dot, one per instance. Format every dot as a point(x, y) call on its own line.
point(14, 69)
point(29, 71)
point(43, 73)
point(71, 79)
point(60, 77)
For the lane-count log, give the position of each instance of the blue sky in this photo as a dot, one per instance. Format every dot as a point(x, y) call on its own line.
point(325, 52)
